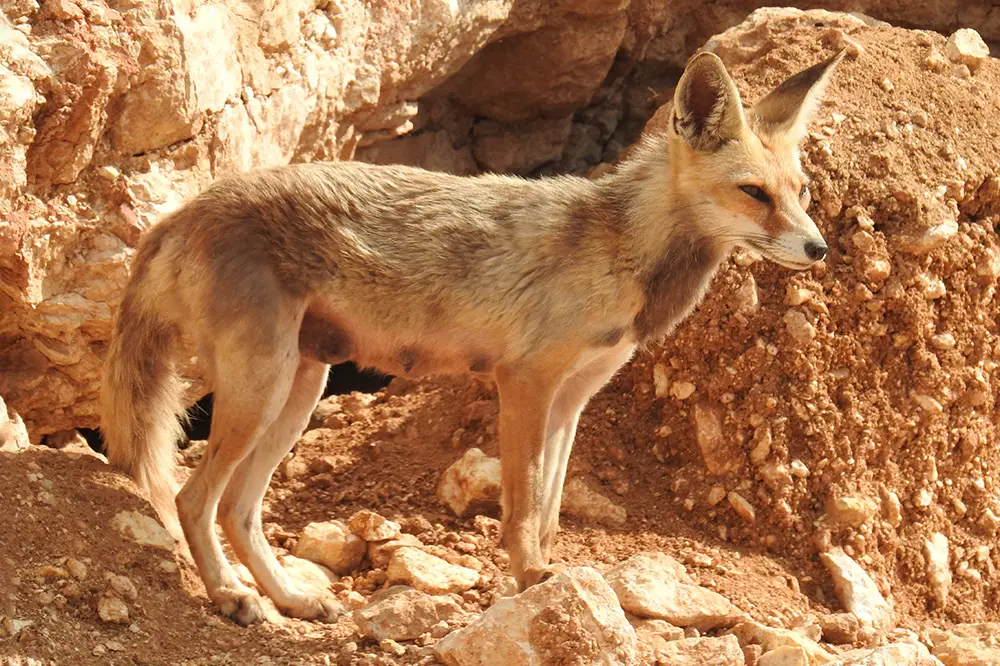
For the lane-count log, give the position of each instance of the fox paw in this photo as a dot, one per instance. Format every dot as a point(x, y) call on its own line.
point(243, 606)
point(322, 606)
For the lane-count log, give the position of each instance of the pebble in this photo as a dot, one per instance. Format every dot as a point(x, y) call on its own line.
point(123, 587)
point(938, 570)
point(370, 526)
point(742, 507)
point(660, 382)
point(76, 568)
point(798, 327)
point(682, 390)
point(966, 47)
point(113, 610)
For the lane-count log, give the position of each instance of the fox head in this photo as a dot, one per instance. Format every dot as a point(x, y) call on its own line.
point(740, 167)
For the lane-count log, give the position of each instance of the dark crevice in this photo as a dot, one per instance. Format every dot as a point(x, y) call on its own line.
point(344, 378)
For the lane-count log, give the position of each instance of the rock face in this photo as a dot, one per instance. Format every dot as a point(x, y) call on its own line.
point(574, 608)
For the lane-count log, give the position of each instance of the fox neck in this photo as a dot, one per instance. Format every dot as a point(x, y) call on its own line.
point(674, 259)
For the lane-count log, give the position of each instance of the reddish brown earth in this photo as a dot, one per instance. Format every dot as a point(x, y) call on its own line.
point(852, 405)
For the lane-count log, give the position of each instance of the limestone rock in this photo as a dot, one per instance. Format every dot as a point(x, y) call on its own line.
point(307, 571)
point(938, 569)
point(654, 585)
point(722, 651)
point(13, 435)
point(403, 613)
point(785, 655)
point(112, 610)
point(429, 573)
point(143, 530)
point(856, 590)
point(571, 618)
point(966, 47)
point(894, 654)
point(331, 545)
point(380, 552)
point(967, 644)
point(721, 455)
point(771, 638)
point(472, 482)
point(370, 526)
point(580, 501)
point(850, 510)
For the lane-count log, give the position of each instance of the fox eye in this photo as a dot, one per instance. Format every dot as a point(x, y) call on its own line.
point(756, 192)
point(804, 192)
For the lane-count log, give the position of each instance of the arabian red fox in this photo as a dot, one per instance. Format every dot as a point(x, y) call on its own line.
point(546, 286)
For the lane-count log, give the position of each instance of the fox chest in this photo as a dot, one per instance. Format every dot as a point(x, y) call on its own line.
point(675, 286)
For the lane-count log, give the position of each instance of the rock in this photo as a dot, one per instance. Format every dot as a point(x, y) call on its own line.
point(798, 327)
point(682, 390)
point(123, 587)
point(966, 47)
point(721, 455)
point(967, 644)
point(661, 382)
point(76, 568)
point(894, 654)
point(856, 590)
point(470, 483)
point(331, 545)
point(741, 506)
point(13, 434)
point(654, 585)
point(938, 569)
point(112, 610)
point(659, 628)
point(892, 508)
point(520, 148)
point(402, 613)
point(143, 530)
point(380, 552)
point(428, 573)
point(307, 571)
point(850, 510)
point(771, 638)
point(839, 628)
point(571, 618)
point(786, 655)
point(722, 651)
point(581, 502)
point(370, 526)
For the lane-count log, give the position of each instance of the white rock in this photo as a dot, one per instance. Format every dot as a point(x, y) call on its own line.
point(660, 382)
point(856, 590)
point(470, 482)
point(332, 545)
point(966, 47)
point(13, 434)
point(682, 390)
point(785, 655)
point(308, 572)
point(571, 618)
point(581, 502)
point(142, 529)
point(741, 506)
point(850, 510)
point(721, 651)
point(429, 573)
point(772, 639)
point(113, 610)
point(370, 526)
point(894, 654)
point(967, 644)
point(403, 613)
point(380, 552)
point(654, 585)
point(799, 327)
point(938, 569)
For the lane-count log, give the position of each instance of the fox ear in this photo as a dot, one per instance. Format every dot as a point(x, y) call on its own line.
point(788, 108)
point(707, 108)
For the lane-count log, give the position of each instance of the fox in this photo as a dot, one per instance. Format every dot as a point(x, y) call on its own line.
point(545, 287)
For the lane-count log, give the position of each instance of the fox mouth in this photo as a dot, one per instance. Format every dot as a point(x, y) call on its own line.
point(782, 260)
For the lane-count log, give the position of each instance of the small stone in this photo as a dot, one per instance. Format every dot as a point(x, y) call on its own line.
point(775, 475)
point(381, 552)
point(943, 341)
point(856, 590)
point(472, 482)
point(114, 646)
point(169, 566)
point(892, 508)
point(573, 610)
point(428, 573)
point(938, 569)
point(123, 587)
point(966, 47)
point(48, 571)
point(656, 586)
point(715, 495)
point(721, 651)
point(839, 628)
point(772, 638)
point(876, 269)
point(660, 382)
point(370, 526)
point(850, 510)
point(967, 644)
point(795, 296)
point(332, 545)
point(580, 501)
point(721, 455)
point(76, 568)
point(392, 647)
point(762, 440)
point(928, 403)
point(682, 390)
point(113, 610)
point(143, 530)
point(742, 507)
point(798, 327)
point(402, 613)
point(785, 655)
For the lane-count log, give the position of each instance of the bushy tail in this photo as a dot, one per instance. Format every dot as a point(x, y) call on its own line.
point(141, 400)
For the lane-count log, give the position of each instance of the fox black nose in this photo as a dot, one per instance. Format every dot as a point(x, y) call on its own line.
point(816, 251)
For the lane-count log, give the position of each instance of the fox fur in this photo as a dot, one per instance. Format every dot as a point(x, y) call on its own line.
point(546, 286)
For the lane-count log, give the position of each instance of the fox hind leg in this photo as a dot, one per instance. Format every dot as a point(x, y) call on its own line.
point(240, 509)
point(253, 377)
